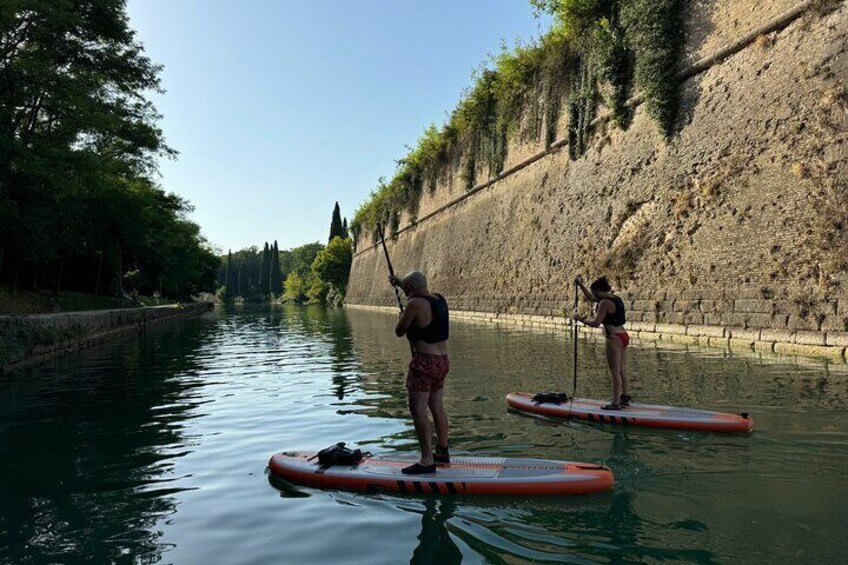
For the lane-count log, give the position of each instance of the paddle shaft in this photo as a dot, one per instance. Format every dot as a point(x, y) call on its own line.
point(574, 391)
point(389, 263)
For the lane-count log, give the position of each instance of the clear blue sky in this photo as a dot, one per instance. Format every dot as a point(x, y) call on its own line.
point(281, 108)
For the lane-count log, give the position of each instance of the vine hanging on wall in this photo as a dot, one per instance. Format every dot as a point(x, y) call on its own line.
point(596, 53)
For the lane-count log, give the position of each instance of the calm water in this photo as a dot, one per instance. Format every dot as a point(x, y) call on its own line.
point(153, 449)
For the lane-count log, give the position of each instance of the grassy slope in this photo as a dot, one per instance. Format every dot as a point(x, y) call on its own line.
point(43, 302)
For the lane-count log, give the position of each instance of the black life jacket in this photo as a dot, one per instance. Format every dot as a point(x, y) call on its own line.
point(437, 330)
point(618, 318)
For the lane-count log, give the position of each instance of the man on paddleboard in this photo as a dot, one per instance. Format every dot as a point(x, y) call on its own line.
point(424, 322)
point(609, 313)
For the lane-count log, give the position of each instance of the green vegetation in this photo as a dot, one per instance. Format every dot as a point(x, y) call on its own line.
point(276, 274)
point(337, 227)
point(655, 31)
point(79, 208)
point(331, 269)
point(597, 50)
point(311, 273)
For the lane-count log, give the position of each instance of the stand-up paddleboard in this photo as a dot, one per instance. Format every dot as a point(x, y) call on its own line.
point(646, 415)
point(464, 475)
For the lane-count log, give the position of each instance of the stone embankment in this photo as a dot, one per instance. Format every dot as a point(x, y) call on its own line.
point(826, 345)
point(29, 340)
point(733, 232)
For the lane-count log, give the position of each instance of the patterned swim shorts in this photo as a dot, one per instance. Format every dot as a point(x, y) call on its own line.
point(427, 372)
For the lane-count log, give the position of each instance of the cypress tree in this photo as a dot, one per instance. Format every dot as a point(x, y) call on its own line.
point(276, 275)
point(336, 228)
point(228, 283)
point(264, 271)
point(238, 276)
point(345, 232)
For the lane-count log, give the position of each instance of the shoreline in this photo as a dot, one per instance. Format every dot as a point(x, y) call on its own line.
point(32, 339)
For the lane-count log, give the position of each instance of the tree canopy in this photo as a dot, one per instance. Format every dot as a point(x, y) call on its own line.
point(78, 149)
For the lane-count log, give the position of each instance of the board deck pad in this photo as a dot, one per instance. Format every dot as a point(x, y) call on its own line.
point(647, 415)
point(464, 475)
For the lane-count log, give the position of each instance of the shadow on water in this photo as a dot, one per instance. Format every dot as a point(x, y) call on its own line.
point(93, 435)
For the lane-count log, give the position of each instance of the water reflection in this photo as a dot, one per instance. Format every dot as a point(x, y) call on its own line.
point(153, 448)
point(435, 542)
point(81, 445)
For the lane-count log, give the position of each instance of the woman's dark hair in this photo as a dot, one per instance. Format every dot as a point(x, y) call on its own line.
point(601, 284)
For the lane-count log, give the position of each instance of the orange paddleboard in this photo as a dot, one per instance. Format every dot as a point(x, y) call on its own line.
point(465, 475)
point(646, 415)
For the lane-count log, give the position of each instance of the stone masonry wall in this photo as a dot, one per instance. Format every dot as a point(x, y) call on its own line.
point(735, 229)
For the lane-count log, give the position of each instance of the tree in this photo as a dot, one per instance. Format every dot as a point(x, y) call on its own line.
point(276, 276)
point(228, 286)
point(78, 150)
point(332, 265)
point(345, 231)
point(295, 288)
point(299, 260)
point(264, 272)
point(336, 228)
point(316, 290)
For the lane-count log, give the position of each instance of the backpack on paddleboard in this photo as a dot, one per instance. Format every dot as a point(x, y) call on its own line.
point(338, 454)
point(550, 397)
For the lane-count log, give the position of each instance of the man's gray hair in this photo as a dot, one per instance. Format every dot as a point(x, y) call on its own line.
point(416, 279)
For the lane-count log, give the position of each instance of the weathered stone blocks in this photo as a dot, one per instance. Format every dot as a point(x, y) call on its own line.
point(836, 339)
point(809, 350)
point(752, 306)
point(708, 331)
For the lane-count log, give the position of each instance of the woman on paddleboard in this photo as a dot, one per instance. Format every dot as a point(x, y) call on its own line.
point(609, 313)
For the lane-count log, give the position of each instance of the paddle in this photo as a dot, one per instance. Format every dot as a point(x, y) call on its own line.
point(392, 274)
point(575, 338)
point(574, 325)
point(389, 263)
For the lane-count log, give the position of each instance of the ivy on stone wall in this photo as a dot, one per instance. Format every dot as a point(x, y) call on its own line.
point(596, 51)
point(654, 29)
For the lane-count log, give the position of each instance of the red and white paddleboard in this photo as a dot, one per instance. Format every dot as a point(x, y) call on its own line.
point(465, 475)
point(646, 415)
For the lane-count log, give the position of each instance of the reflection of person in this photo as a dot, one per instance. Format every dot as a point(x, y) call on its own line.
point(609, 313)
point(424, 322)
point(436, 545)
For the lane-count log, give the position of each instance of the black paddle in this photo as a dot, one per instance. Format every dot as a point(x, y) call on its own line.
point(575, 336)
point(394, 278)
point(389, 263)
point(574, 325)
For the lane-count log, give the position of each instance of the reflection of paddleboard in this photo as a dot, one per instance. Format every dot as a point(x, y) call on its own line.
point(648, 415)
point(465, 475)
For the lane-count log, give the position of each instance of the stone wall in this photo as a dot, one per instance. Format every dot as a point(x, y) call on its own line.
point(27, 340)
point(734, 229)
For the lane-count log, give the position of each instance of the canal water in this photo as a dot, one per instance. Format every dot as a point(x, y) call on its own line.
point(154, 449)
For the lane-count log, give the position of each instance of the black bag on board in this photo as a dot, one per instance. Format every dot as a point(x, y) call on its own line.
point(550, 397)
point(338, 454)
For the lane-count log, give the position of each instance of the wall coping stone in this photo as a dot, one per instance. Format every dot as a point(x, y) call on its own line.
point(809, 350)
point(836, 339)
point(784, 336)
point(707, 331)
point(671, 329)
point(805, 337)
point(750, 334)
